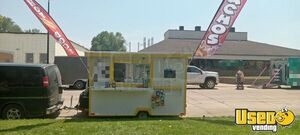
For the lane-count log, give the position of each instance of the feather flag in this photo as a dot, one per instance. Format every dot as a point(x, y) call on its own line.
point(52, 27)
point(219, 28)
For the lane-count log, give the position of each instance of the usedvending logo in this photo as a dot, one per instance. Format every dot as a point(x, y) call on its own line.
point(264, 120)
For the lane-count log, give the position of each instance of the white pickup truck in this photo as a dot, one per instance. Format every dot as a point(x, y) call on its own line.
point(205, 79)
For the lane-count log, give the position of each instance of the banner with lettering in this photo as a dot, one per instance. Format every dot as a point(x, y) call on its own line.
point(52, 27)
point(220, 26)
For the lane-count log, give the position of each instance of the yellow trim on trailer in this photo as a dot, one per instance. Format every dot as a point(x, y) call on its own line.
point(111, 71)
point(91, 69)
point(132, 61)
point(151, 74)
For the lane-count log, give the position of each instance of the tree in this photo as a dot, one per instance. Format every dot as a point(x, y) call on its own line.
point(7, 25)
point(34, 30)
point(108, 41)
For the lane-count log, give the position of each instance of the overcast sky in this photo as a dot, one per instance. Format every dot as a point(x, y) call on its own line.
point(269, 21)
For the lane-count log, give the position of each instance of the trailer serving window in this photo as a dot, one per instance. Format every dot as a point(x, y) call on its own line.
point(131, 73)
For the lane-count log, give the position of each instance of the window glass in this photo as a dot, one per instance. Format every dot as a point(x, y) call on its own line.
point(20, 77)
point(193, 70)
point(3, 79)
point(32, 77)
point(119, 72)
point(52, 76)
point(29, 57)
point(131, 73)
point(43, 58)
point(169, 73)
point(11, 77)
point(58, 75)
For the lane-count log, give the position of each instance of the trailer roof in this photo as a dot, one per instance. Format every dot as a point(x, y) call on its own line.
point(136, 54)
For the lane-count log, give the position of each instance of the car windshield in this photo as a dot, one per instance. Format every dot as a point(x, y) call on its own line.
point(193, 70)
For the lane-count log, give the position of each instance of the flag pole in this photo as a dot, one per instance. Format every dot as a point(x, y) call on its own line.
point(48, 35)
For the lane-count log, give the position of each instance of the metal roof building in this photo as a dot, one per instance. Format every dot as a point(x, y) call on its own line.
point(236, 52)
point(236, 47)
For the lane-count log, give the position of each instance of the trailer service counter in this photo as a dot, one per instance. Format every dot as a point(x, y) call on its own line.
point(126, 84)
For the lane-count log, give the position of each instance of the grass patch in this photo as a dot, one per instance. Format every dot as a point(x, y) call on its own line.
point(153, 126)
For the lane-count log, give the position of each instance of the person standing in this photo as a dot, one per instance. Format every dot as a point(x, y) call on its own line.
point(240, 78)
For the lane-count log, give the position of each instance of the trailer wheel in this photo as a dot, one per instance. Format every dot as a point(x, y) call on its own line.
point(143, 115)
point(12, 112)
point(79, 85)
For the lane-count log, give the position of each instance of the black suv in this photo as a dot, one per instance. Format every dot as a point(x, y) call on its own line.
point(29, 90)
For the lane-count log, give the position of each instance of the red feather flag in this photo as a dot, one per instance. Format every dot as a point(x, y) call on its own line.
point(52, 27)
point(220, 27)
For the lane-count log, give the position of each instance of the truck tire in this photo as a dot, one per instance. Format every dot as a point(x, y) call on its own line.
point(79, 85)
point(210, 83)
point(12, 112)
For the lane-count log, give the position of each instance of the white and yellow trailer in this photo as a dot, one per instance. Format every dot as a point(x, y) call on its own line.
point(129, 84)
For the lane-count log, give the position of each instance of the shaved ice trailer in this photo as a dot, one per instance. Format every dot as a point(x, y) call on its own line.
point(285, 71)
point(136, 84)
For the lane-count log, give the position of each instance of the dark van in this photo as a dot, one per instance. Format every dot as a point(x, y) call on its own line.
point(29, 90)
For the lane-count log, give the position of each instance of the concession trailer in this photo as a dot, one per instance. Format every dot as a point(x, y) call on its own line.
point(136, 84)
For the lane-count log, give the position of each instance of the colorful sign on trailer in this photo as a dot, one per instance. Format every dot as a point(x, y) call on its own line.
point(52, 27)
point(220, 27)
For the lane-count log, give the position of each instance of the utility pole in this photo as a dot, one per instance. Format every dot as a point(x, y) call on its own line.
point(48, 35)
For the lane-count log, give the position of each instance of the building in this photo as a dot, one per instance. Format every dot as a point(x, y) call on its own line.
point(31, 48)
point(237, 51)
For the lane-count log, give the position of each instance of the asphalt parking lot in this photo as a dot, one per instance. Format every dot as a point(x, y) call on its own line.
point(221, 101)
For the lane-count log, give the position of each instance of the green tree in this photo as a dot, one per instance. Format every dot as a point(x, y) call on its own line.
point(34, 30)
point(108, 41)
point(8, 25)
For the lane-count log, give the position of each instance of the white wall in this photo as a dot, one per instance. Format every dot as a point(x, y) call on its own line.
point(20, 44)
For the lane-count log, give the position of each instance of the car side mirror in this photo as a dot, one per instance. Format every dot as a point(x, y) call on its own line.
point(200, 73)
